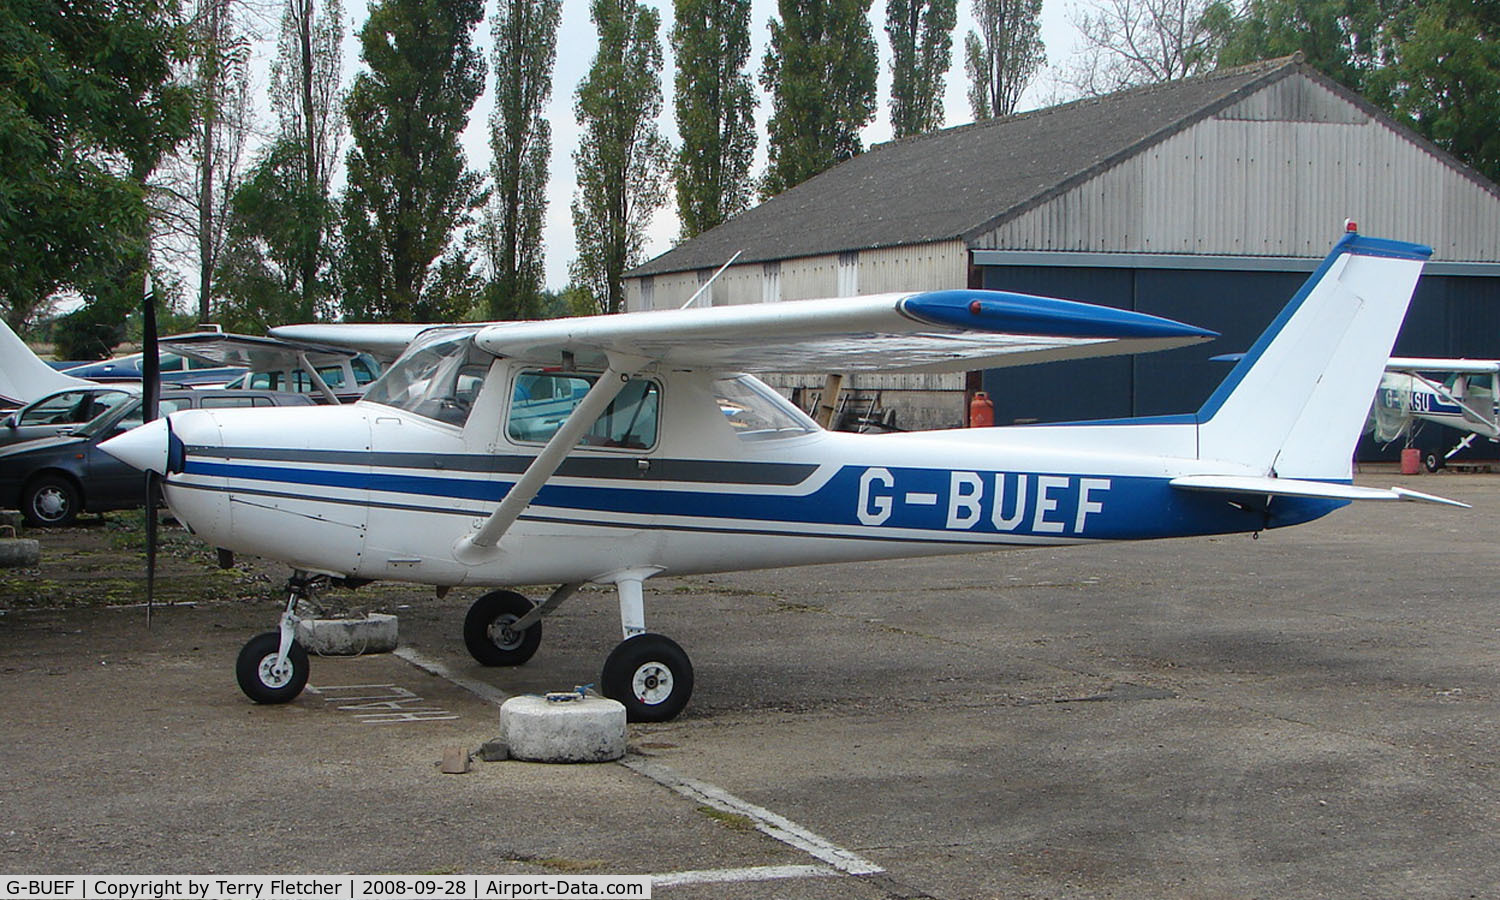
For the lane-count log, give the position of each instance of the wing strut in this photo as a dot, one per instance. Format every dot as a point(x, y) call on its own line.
point(317, 379)
point(475, 548)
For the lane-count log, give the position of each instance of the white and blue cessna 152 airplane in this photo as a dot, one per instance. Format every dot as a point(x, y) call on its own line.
point(617, 448)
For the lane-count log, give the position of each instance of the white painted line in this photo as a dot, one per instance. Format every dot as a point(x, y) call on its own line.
point(767, 822)
point(732, 876)
point(484, 691)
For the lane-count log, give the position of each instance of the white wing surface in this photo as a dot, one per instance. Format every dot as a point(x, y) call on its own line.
point(936, 331)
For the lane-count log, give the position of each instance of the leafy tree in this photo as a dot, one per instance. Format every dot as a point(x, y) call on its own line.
point(820, 69)
point(622, 159)
point(1445, 79)
point(88, 108)
point(1345, 39)
point(1003, 56)
point(525, 33)
point(715, 105)
point(921, 36)
point(409, 189)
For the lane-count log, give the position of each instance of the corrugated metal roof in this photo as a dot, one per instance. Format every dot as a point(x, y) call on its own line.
point(962, 182)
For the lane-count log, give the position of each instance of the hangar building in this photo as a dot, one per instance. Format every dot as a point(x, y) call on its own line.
point(1207, 200)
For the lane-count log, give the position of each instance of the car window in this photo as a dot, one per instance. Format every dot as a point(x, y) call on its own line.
point(171, 362)
point(542, 401)
point(220, 402)
point(67, 408)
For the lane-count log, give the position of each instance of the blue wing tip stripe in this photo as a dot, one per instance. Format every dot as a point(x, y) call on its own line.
point(1009, 313)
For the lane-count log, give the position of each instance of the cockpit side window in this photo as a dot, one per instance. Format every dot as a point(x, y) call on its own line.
point(542, 402)
point(438, 377)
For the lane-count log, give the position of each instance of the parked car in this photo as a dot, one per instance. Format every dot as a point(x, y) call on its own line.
point(62, 412)
point(52, 480)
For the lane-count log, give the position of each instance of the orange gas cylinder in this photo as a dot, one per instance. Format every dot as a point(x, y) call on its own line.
point(981, 411)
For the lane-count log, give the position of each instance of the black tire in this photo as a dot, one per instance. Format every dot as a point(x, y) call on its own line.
point(1432, 462)
point(51, 500)
point(650, 675)
point(487, 633)
point(252, 669)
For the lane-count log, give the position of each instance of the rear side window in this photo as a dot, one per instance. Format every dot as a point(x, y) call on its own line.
point(542, 401)
point(219, 402)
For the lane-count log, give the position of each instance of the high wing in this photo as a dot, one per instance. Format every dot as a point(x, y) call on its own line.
point(935, 331)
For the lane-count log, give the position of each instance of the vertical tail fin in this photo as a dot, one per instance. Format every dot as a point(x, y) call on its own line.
point(23, 376)
point(1295, 404)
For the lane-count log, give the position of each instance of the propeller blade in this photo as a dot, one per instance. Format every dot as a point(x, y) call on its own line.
point(150, 409)
point(150, 356)
point(152, 487)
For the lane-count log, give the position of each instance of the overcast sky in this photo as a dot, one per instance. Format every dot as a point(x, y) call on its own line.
point(576, 43)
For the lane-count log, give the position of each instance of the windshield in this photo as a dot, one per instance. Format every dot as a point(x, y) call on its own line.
point(757, 413)
point(438, 377)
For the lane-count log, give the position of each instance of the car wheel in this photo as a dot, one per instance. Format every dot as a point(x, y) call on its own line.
point(50, 500)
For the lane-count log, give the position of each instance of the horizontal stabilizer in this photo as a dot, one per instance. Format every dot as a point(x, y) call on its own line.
point(1295, 487)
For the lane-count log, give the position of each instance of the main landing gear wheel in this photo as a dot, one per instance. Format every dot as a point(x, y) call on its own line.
point(260, 678)
point(650, 675)
point(1432, 462)
point(487, 631)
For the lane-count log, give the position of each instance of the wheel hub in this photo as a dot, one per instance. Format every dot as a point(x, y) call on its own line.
point(502, 635)
point(273, 676)
point(50, 503)
point(652, 683)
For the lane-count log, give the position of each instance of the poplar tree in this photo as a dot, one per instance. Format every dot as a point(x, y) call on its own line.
point(715, 107)
point(820, 69)
point(1003, 56)
point(921, 36)
point(623, 161)
point(525, 33)
point(409, 188)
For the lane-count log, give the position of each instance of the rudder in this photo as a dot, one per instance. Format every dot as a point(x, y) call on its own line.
point(1295, 404)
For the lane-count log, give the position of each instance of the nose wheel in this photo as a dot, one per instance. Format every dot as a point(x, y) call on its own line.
point(273, 667)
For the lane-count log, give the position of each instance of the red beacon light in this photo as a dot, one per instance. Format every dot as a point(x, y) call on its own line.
point(1351, 226)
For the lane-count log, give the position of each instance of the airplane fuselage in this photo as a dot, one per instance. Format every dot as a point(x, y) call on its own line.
point(372, 491)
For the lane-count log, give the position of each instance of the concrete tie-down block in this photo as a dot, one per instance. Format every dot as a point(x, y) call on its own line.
point(19, 553)
point(577, 729)
point(373, 633)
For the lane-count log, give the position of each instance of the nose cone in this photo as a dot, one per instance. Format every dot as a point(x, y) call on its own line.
point(144, 448)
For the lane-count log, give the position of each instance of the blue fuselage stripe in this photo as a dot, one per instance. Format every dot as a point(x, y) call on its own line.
point(860, 498)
